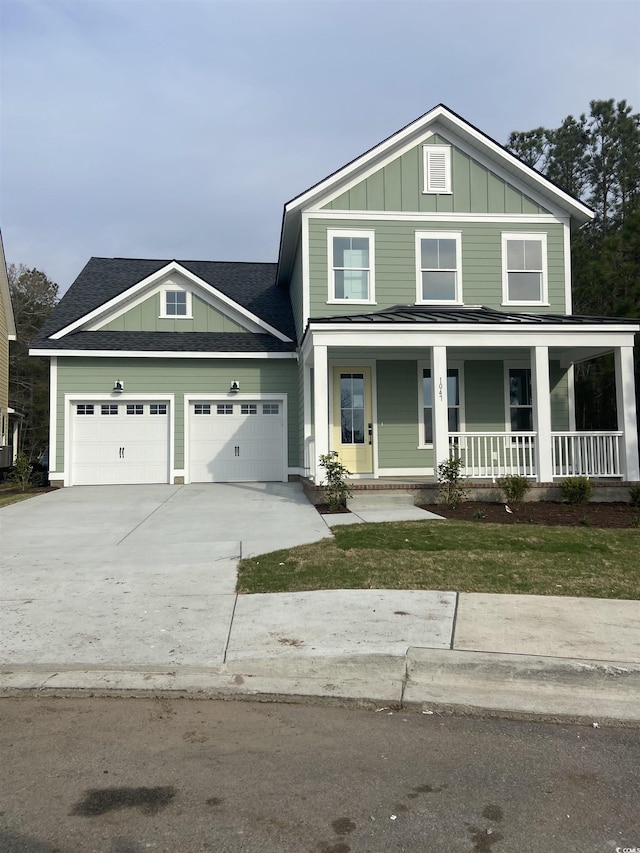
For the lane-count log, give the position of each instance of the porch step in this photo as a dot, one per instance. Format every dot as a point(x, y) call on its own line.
point(380, 499)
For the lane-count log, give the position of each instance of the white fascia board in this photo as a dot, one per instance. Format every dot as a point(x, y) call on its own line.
point(470, 336)
point(142, 288)
point(161, 354)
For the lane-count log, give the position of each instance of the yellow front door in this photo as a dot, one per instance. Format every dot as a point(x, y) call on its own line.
point(352, 418)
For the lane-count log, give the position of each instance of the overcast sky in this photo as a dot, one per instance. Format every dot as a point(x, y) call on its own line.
point(179, 128)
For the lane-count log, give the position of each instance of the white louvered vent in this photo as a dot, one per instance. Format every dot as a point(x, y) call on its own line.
point(437, 169)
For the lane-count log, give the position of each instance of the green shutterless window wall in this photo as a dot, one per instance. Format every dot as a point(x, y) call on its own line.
point(179, 377)
point(395, 262)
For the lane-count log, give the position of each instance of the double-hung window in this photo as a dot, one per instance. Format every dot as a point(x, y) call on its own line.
point(524, 269)
point(520, 399)
point(453, 403)
point(438, 267)
point(351, 266)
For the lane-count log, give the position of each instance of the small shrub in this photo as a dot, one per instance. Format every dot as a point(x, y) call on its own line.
point(634, 496)
point(479, 514)
point(576, 490)
point(336, 489)
point(452, 488)
point(21, 472)
point(514, 489)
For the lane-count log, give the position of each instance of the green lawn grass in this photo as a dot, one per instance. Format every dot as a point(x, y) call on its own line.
point(9, 494)
point(458, 556)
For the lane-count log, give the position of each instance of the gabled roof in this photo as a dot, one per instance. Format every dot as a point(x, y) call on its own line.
point(5, 296)
point(412, 314)
point(250, 286)
point(443, 119)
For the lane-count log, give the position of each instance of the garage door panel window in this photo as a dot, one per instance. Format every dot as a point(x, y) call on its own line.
point(135, 409)
point(202, 409)
point(248, 409)
point(109, 409)
point(158, 409)
point(270, 409)
point(85, 409)
point(224, 409)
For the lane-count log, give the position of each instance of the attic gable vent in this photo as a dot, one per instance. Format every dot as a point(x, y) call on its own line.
point(437, 168)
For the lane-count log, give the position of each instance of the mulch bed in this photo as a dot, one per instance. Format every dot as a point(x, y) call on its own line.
point(544, 512)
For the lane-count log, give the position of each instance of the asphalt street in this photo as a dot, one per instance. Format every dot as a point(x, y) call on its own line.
point(183, 776)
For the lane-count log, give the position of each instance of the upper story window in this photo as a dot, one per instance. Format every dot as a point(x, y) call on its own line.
point(438, 267)
point(351, 268)
point(436, 166)
point(524, 269)
point(175, 302)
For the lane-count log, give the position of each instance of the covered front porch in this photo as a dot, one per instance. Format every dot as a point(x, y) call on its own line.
point(395, 398)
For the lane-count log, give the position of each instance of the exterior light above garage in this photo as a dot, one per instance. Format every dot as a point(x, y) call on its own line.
point(118, 386)
point(235, 385)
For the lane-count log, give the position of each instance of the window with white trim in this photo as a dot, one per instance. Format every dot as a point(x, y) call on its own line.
point(157, 408)
point(524, 269)
point(436, 165)
point(135, 409)
point(109, 409)
point(84, 409)
point(270, 408)
point(224, 409)
point(248, 409)
point(201, 409)
point(520, 400)
point(351, 267)
point(175, 302)
point(439, 267)
point(454, 409)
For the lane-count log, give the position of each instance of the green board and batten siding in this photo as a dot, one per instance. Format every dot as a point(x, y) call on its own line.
point(145, 317)
point(398, 187)
point(395, 263)
point(179, 377)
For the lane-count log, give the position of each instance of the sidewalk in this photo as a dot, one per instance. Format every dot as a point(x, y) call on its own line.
point(133, 608)
point(436, 651)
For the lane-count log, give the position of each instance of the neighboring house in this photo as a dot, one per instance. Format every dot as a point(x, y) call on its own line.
point(421, 303)
point(8, 430)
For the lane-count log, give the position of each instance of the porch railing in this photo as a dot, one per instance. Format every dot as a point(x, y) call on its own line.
point(488, 455)
point(586, 454)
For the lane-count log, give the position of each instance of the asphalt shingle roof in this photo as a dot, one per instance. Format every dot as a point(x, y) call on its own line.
point(237, 342)
point(251, 285)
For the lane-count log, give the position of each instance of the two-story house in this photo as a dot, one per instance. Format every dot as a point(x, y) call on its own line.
point(421, 303)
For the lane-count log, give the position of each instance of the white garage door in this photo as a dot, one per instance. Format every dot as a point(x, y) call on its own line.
point(238, 441)
point(119, 442)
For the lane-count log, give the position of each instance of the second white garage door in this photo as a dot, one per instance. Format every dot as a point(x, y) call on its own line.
point(236, 441)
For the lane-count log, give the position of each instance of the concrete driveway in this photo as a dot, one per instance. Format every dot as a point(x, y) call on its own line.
point(136, 575)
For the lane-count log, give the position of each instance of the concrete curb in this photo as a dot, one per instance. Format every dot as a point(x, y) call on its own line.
point(430, 680)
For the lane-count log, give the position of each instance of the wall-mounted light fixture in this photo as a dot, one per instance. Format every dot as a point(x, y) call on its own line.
point(118, 386)
point(235, 385)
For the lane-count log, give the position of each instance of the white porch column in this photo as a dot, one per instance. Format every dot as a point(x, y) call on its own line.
point(440, 407)
point(626, 408)
point(541, 391)
point(307, 434)
point(320, 405)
